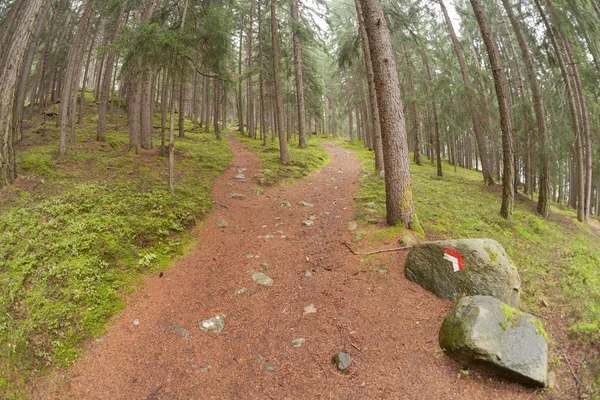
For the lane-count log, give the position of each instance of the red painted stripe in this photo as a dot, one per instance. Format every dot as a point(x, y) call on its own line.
point(461, 263)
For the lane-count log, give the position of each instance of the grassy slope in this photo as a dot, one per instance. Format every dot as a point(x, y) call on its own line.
point(558, 259)
point(76, 234)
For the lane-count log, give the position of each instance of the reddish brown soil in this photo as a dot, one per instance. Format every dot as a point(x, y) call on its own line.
point(388, 324)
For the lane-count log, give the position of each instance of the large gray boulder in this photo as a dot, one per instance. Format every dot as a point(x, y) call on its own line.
point(487, 269)
point(484, 333)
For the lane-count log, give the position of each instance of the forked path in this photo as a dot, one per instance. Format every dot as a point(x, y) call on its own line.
point(387, 324)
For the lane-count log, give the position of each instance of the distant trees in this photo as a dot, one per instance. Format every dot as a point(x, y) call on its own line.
point(287, 80)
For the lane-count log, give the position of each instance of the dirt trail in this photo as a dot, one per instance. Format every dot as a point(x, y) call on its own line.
point(387, 324)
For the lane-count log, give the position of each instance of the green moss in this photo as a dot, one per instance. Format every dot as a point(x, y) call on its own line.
point(511, 315)
point(492, 254)
point(539, 327)
point(460, 205)
point(98, 222)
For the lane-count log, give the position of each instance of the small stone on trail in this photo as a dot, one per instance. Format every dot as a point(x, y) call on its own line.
point(266, 237)
point(240, 177)
point(236, 196)
point(136, 322)
point(241, 170)
point(242, 292)
point(285, 204)
point(204, 368)
point(305, 204)
point(408, 241)
point(249, 256)
point(352, 225)
point(312, 217)
point(262, 279)
point(308, 222)
point(221, 223)
point(342, 361)
point(214, 324)
point(310, 309)
point(308, 273)
point(265, 267)
point(298, 342)
point(182, 332)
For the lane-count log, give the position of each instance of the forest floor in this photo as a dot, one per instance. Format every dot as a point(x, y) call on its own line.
point(322, 293)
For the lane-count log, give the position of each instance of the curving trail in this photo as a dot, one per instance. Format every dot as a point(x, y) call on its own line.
point(387, 324)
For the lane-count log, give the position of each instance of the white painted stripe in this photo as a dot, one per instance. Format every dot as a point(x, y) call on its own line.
point(453, 260)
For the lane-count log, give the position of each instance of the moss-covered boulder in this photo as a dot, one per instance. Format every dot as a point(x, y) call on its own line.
point(452, 269)
point(484, 333)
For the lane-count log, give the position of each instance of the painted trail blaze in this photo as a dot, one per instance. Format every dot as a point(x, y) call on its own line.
point(455, 258)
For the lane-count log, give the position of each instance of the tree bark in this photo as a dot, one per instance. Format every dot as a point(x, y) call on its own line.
point(240, 98)
point(283, 150)
point(302, 140)
point(23, 75)
point(217, 123)
point(475, 117)
point(379, 163)
point(543, 205)
point(503, 95)
point(578, 177)
point(263, 95)
point(398, 187)
point(68, 85)
point(9, 75)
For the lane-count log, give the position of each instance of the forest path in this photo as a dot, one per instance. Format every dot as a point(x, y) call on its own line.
point(387, 324)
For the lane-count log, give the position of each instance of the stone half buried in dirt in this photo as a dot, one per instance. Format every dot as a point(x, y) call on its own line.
point(214, 324)
point(484, 333)
point(451, 269)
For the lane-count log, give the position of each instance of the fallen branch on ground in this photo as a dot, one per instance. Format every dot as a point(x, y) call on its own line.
point(376, 251)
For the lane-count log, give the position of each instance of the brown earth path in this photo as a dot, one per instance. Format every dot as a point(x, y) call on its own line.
point(387, 324)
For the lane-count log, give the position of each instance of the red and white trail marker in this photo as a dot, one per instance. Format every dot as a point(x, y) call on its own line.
point(455, 258)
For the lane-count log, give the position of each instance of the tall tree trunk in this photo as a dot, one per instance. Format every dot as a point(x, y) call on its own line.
point(85, 73)
point(379, 163)
point(14, 53)
point(172, 127)
point(299, 82)
point(263, 95)
point(217, 123)
point(503, 95)
point(106, 81)
point(283, 150)
point(250, 95)
point(68, 85)
point(163, 110)
point(23, 75)
point(475, 117)
point(398, 187)
point(181, 114)
point(579, 176)
point(543, 205)
point(240, 98)
point(433, 106)
point(414, 109)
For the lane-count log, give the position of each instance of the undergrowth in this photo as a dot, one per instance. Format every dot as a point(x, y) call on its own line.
point(303, 162)
point(77, 234)
point(558, 258)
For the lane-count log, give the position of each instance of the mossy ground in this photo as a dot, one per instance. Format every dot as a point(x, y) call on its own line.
point(78, 233)
point(303, 162)
point(558, 258)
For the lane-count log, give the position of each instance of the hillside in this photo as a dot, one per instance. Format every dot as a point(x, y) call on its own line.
point(558, 258)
